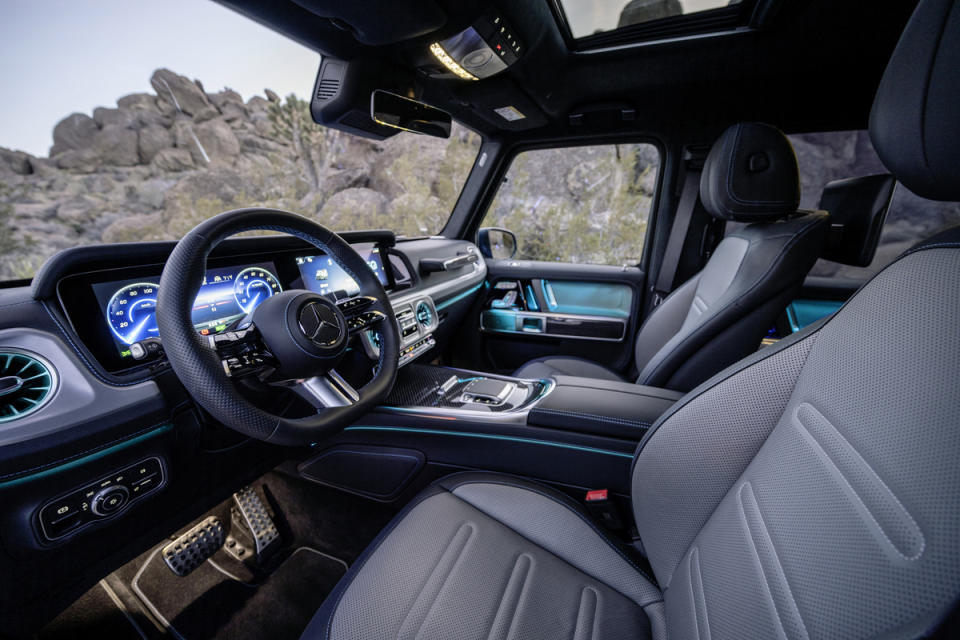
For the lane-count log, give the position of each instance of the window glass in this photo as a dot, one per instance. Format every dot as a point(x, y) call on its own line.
point(112, 132)
point(824, 157)
point(587, 17)
point(579, 204)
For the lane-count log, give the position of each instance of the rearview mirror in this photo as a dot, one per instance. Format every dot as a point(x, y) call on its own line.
point(498, 243)
point(398, 112)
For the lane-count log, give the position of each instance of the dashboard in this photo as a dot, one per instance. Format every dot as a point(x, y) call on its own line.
point(111, 304)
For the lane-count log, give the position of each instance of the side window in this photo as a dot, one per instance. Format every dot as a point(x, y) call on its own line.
point(824, 157)
point(587, 205)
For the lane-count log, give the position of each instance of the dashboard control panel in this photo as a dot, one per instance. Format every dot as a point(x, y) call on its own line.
point(417, 319)
point(100, 500)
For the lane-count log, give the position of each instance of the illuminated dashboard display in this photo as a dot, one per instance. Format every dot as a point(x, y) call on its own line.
point(226, 294)
point(322, 275)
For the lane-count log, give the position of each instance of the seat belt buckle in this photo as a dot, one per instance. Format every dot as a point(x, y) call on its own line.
point(603, 509)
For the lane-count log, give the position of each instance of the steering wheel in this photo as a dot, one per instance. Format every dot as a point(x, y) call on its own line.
point(295, 338)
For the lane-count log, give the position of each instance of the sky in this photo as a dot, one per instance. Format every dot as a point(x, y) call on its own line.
point(64, 56)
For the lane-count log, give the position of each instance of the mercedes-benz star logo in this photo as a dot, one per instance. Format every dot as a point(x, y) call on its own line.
point(320, 324)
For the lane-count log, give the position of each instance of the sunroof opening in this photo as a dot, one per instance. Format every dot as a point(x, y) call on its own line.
point(590, 17)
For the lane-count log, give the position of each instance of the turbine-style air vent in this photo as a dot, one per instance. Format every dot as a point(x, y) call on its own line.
point(26, 384)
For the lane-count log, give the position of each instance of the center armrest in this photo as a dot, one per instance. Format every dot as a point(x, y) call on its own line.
point(602, 407)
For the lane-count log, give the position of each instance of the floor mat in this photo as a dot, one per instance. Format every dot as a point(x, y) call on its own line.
point(96, 614)
point(209, 603)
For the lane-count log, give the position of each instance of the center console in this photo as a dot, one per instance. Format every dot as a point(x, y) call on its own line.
point(576, 432)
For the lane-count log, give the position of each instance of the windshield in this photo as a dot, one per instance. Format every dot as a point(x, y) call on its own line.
point(136, 121)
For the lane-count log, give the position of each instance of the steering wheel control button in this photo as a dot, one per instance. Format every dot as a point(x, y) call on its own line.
point(351, 305)
point(110, 500)
point(320, 323)
point(192, 549)
point(105, 498)
point(364, 321)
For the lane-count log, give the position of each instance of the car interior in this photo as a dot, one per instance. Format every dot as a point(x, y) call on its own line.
point(281, 427)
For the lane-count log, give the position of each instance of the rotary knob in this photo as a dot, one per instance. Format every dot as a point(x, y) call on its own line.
point(110, 500)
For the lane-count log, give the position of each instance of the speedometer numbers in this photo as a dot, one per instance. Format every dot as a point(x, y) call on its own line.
point(252, 286)
point(132, 312)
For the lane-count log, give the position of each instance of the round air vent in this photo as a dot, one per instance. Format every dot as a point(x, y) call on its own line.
point(26, 384)
point(424, 314)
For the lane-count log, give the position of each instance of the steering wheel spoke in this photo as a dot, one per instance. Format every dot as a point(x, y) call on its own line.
point(358, 314)
point(326, 391)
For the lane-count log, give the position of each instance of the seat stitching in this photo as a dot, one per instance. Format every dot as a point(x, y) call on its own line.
point(523, 565)
point(758, 534)
point(829, 459)
point(592, 416)
point(457, 544)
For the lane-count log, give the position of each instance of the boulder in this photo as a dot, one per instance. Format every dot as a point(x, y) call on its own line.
point(218, 139)
point(172, 160)
point(258, 104)
point(137, 228)
point(151, 140)
point(357, 208)
point(183, 94)
point(144, 109)
point(105, 117)
point(271, 95)
point(337, 180)
point(76, 131)
point(79, 160)
point(117, 146)
point(207, 113)
point(15, 161)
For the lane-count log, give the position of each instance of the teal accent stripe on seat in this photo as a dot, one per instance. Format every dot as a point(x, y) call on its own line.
point(57, 468)
point(491, 436)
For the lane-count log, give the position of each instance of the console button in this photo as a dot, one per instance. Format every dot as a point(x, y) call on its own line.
point(110, 500)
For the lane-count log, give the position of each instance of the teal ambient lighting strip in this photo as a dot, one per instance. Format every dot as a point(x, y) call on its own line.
point(457, 298)
point(491, 436)
point(89, 458)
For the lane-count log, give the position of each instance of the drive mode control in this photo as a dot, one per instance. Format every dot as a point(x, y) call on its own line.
point(110, 500)
point(99, 500)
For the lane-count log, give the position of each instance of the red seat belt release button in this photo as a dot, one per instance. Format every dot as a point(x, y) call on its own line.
point(597, 495)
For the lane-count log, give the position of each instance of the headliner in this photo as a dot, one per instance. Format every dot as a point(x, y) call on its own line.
point(814, 67)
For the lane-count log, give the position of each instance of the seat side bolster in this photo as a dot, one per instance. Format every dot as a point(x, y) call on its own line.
point(558, 524)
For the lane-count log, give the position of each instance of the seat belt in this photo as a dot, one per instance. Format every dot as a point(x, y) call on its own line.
point(678, 235)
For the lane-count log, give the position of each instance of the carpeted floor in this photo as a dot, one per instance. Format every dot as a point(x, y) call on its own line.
point(322, 530)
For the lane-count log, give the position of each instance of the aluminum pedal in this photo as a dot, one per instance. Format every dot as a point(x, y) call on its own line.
point(257, 520)
point(192, 549)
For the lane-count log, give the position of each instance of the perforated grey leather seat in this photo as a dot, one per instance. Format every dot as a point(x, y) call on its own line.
point(809, 491)
point(720, 315)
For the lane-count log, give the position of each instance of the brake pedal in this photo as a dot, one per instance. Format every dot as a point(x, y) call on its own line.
point(192, 549)
point(253, 514)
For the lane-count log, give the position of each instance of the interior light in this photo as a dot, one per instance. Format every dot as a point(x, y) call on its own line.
point(450, 63)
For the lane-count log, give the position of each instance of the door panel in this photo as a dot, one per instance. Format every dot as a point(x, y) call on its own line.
point(537, 309)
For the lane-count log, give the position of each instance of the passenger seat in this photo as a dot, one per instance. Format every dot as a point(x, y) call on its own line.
point(720, 315)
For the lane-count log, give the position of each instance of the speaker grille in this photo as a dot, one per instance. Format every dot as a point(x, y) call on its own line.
point(328, 88)
point(26, 384)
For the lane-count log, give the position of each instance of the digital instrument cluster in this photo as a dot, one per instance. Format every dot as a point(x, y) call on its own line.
point(322, 275)
point(226, 294)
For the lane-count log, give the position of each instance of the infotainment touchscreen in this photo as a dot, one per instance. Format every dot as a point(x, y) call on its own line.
point(129, 306)
point(322, 275)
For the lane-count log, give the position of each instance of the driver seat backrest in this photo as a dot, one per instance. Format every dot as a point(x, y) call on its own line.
point(720, 315)
point(813, 489)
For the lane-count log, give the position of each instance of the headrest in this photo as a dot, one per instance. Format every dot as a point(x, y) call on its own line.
point(858, 207)
point(915, 116)
point(750, 174)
